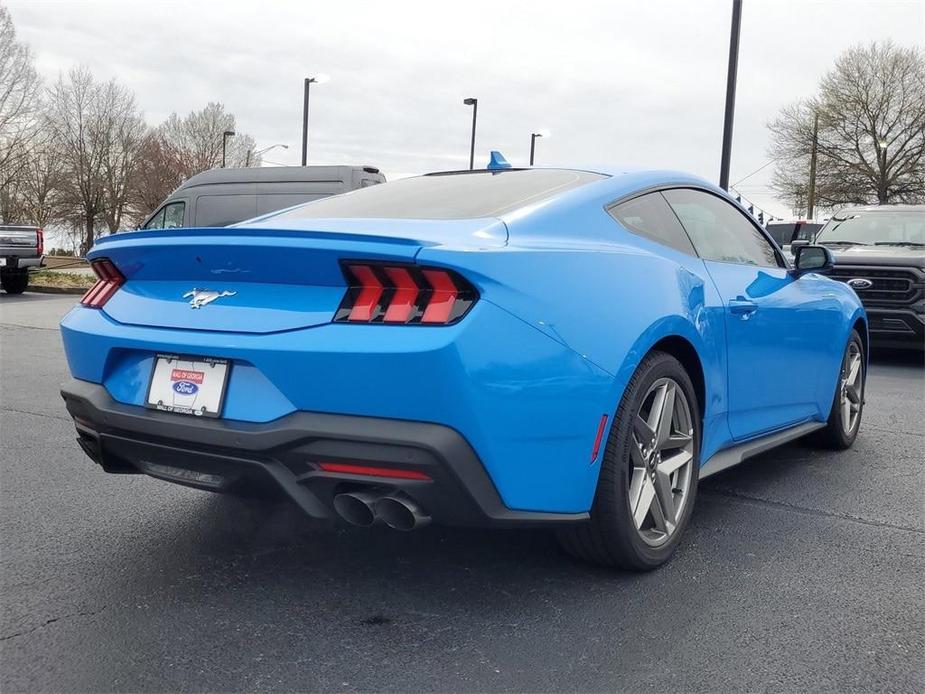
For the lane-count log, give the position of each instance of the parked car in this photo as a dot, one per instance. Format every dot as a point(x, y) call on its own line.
point(880, 253)
point(21, 248)
point(785, 232)
point(505, 347)
point(220, 197)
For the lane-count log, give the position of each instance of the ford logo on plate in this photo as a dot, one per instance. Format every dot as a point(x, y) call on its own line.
point(185, 388)
point(860, 283)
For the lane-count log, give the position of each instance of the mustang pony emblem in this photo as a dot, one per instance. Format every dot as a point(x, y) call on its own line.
point(201, 297)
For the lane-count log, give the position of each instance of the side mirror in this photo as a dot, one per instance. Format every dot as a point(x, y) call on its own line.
point(812, 259)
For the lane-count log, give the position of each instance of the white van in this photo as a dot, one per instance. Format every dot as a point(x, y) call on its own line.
point(219, 197)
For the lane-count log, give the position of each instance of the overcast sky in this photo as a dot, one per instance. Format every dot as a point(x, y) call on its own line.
point(621, 83)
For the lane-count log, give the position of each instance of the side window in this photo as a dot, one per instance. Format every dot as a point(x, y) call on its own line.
point(222, 210)
point(719, 231)
point(157, 221)
point(650, 216)
point(173, 215)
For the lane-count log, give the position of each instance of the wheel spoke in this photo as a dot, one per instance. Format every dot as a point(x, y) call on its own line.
point(854, 370)
point(645, 435)
point(661, 523)
point(675, 462)
point(664, 497)
point(665, 416)
point(676, 440)
point(846, 413)
point(644, 502)
point(639, 461)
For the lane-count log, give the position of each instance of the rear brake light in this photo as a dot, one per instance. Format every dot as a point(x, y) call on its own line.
point(40, 236)
point(108, 282)
point(404, 295)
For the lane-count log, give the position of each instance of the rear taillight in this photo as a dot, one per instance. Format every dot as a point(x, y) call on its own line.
point(108, 282)
point(40, 236)
point(404, 295)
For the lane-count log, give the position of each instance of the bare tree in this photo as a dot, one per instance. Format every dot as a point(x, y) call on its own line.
point(157, 175)
point(40, 182)
point(20, 92)
point(182, 147)
point(123, 135)
point(96, 130)
point(870, 142)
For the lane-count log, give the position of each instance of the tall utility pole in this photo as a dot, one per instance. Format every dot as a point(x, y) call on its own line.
point(308, 84)
point(474, 103)
point(730, 93)
point(811, 201)
point(309, 81)
point(225, 136)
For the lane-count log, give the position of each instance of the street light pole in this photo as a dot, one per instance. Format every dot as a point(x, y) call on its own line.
point(225, 136)
point(533, 136)
point(263, 151)
point(474, 103)
point(730, 93)
point(317, 79)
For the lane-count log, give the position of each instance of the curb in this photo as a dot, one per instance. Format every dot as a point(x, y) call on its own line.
point(55, 290)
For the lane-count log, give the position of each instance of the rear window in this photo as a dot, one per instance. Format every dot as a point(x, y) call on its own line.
point(448, 196)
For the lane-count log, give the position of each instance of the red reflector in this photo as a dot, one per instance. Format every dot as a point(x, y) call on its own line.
point(406, 293)
point(374, 471)
point(370, 293)
point(441, 302)
point(597, 439)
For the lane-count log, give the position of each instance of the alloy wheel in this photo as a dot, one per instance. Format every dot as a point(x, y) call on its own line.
point(851, 388)
point(662, 461)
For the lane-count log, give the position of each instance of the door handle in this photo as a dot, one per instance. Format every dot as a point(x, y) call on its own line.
point(740, 306)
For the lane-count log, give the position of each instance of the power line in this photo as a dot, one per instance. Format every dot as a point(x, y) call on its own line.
point(760, 168)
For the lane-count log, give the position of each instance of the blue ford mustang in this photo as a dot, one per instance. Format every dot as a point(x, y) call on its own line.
point(498, 347)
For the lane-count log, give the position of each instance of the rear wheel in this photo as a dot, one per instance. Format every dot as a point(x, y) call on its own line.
point(844, 421)
point(15, 282)
point(648, 482)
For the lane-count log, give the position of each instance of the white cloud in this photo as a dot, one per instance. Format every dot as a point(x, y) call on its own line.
point(636, 83)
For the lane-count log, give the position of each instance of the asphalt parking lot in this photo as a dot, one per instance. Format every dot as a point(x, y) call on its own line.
point(802, 571)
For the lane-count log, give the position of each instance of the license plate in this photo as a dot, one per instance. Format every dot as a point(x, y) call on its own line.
point(2, 262)
point(188, 385)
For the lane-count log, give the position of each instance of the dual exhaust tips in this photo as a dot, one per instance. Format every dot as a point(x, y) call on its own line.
point(366, 508)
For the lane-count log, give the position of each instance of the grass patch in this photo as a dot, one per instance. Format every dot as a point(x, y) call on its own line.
point(61, 280)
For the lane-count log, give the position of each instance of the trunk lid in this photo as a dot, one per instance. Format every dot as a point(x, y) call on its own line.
point(260, 280)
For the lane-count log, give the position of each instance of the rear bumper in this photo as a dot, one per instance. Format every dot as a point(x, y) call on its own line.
point(283, 456)
point(18, 262)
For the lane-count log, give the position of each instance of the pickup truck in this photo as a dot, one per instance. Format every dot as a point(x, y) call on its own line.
point(21, 248)
point(880, 253)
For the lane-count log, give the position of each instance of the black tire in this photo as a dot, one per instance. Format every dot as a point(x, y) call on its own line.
point(610, 538)
point(15, 282)
point(836, 435)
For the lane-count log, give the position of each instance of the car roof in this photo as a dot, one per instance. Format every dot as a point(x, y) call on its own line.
point(273, 174)
point(864, 209)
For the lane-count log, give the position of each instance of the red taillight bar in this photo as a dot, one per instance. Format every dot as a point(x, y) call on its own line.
point(404, 295)
point(40, 237)
point(108, 283)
